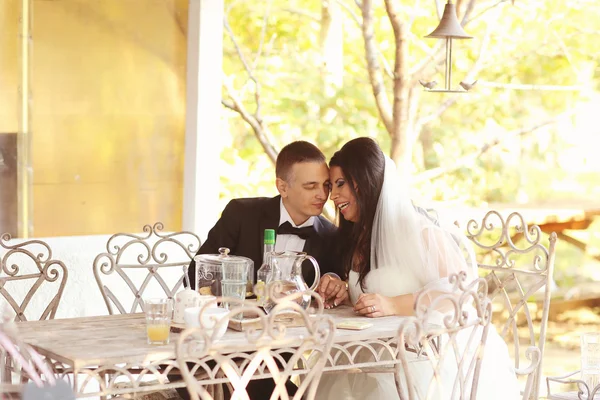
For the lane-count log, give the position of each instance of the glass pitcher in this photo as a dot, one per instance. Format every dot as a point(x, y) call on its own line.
point(292, 280)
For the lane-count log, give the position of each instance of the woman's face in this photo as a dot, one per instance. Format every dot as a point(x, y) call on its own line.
point(342, 196)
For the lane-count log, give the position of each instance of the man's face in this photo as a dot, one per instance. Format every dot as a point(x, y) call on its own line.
point(306, 190)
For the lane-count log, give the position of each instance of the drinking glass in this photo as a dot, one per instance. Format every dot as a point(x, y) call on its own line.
point(158, 320)
point(234, 279)
point(590, 359)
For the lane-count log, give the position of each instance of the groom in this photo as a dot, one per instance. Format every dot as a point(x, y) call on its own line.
point(302, 180)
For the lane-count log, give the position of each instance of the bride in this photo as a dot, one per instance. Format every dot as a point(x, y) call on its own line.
point(391, 251)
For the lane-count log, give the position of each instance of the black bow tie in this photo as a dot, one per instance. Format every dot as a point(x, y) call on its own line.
point(303, 233)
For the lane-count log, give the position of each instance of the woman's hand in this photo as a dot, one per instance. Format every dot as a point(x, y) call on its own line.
point(374, 305)
point(333, 291)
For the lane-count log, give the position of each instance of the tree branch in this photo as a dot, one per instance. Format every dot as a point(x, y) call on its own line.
point(302, 13)
point(356, 19)
point(437, 172)
point(237, 47)
point(373, 67)
point(438, 8)
point(468, 10)
point(400, 113)
point(413, 15)
point(263, 32)
point(350, 11)
point(255, 120)
point(482, 12)
point(261, 131)
point(435, 55)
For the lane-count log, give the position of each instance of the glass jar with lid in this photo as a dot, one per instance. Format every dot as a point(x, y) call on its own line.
point(209, 273)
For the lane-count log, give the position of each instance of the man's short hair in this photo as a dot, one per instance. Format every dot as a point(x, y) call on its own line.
point(294, 153)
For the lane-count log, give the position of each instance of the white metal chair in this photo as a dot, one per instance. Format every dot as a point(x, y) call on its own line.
point(26, 267)
point(582, 392)
point(519, 271)
point(135, 266)
point(450, 330)
point(263, 354)
point(154, 262)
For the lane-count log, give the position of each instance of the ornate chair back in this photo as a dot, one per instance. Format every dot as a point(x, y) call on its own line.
point(449, 330)
point(518, 268)
point(263, 351)
point(138, 266)
point(29, 276)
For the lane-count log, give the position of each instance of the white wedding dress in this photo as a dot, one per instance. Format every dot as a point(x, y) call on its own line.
point(497, 380)
point(411, 251)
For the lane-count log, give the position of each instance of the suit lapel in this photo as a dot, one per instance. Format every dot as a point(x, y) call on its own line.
point(268, 220)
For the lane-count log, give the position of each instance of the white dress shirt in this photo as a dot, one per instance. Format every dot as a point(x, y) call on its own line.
point(290, 242)
point(293, 242)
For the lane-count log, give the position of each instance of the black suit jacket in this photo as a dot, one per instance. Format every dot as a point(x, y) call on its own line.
point(241, 229)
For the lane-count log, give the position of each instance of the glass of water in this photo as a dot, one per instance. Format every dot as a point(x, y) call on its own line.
point(590, 359)
point(234, 278)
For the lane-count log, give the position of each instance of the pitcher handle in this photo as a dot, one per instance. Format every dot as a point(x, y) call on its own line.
point(317, 270)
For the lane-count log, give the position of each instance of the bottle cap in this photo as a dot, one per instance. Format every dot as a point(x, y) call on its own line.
point(269, 236)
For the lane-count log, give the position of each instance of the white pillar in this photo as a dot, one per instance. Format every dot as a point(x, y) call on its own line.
point(203, 115)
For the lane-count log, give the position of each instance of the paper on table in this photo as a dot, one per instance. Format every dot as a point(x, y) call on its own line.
point(354, 324)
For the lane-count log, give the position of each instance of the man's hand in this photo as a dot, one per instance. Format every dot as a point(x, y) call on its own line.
point(333, 291)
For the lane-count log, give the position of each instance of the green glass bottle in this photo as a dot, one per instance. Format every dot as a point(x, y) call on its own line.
point(266, 273)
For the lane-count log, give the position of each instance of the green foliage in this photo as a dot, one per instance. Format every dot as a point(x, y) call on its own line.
point(533, 48)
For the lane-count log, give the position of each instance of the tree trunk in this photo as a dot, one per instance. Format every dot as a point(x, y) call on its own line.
point(332, 47)
point(428, 153)
point(374, 67)
point(401, 151)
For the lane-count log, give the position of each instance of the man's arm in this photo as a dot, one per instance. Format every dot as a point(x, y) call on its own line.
point(334, 256)
point(225, 233)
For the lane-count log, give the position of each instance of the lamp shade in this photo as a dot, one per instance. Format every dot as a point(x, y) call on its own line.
point(449, 26)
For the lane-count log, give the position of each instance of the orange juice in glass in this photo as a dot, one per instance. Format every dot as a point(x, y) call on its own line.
point(158, 320)
point(158, 333)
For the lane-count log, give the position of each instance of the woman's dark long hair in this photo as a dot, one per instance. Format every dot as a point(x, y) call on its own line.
point(363, 165)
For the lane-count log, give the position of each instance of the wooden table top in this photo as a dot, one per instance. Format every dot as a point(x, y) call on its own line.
point(114, 339)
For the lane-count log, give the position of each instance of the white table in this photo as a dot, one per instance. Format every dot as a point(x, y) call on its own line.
point(91, 348)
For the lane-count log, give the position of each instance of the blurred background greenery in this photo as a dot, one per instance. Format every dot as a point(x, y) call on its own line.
point(526, 134)
point(108, 104)
point(525, 137)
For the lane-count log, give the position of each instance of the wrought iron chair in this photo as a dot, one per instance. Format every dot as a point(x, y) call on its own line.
point(262, 353)
point(134, 265)
point(139, 261)
point(30, 262)
point(463, 319)
point(518, 268)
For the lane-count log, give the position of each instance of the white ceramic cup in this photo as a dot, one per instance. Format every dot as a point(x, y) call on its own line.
point(189, 298)
point(210, 317)
point(207, 298)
